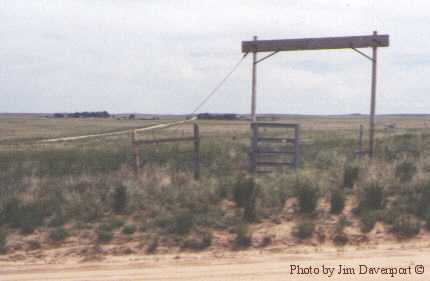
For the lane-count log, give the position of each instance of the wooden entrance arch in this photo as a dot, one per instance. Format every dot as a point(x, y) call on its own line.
point(347, 42)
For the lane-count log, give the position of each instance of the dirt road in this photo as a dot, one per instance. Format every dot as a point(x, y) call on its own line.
point(252, 265)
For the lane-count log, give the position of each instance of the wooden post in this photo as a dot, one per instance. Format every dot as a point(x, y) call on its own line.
point(373, 101)
point(136, 154)
point(254, 85)
point(254, 140)
point(296, 146)
point(196, 155)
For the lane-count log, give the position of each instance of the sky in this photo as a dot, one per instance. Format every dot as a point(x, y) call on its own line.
point(159, 56)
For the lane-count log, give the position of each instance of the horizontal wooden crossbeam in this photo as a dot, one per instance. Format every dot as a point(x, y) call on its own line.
point(315, 43)
point(276, 140)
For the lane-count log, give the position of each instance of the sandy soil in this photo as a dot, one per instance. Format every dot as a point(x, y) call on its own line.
point(247, 265)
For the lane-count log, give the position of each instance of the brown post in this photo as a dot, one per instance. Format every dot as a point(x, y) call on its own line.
point(254, 141)
point(196, 155)
point(136, 154)
point(254, 85)
point(372, 102)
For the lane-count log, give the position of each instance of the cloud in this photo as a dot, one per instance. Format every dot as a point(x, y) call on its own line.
point(165, 56)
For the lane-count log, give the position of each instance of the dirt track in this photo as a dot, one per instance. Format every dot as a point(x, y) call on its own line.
point(242, 266)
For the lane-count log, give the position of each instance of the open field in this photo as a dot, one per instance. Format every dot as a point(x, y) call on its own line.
point(81, 205)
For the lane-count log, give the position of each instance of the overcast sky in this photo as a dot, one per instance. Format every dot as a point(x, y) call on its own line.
point(156, 56)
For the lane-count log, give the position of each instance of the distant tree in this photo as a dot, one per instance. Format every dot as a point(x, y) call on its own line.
point(131, 117)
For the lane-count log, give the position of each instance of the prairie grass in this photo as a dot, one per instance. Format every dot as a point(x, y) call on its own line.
point(92, 181)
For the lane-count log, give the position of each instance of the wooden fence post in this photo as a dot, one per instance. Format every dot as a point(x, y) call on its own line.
point(136, 154)
point(196, 154)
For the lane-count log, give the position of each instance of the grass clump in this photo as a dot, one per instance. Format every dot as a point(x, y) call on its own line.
point(115, 223)
point(3, 241)
point(200, 241)
point(119, 199)
point(350, 174)
point(368, 221)
point(307, 193)
point(180, 223)
point(58, 234)
point(405, 170)
point(152, 246)
point(129, 229)
point(406, 226)
point(371, 197)
point(244, 192)
point(304, 229)
point(341, 223)
point(337, 201)
point(243, 237)
point(104, 235)
point(427, 219)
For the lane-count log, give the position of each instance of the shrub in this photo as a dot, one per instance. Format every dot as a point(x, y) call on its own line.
point(427, 219)
point(304, 229)
point(198, 242)
point(337, 201)
point(3, 240)
point(10, 212)
point(115, 223)
point(26, 217)
point(340, 239)
point(119, 199)
point(30, 217)
point(371, 197)
point(244, 195)
point(350, 174)
point(308, 195)
point(180, 223)
point(421, 199)
point(341, 223)
point(406, 226)
point(243, 237)
point(390, 214)
point(104, 236)
point(368, 221)
point(105, 227)
point(405, 170)
point(57, 220)
point(129, 229)
point(152, 246)
point(326, 159)
point(58, 234)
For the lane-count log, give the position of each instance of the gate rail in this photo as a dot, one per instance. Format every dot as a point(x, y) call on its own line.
point(256, 150)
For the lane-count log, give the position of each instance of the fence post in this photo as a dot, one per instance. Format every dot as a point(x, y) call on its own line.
point(254, 142)
point(296, 146)
point(196, 154)
point(136, 154)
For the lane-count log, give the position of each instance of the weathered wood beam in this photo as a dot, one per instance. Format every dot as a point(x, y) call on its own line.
point(316, 43)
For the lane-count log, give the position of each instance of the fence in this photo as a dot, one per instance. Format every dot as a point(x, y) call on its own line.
point(257, 151)
point(137, 146)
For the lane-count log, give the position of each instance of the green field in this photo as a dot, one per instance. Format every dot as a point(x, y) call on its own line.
point(61, 187)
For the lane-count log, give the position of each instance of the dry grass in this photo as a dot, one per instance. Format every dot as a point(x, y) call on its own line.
point(73, 184)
